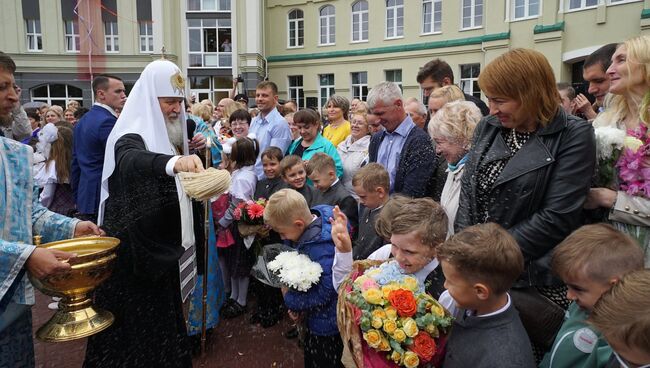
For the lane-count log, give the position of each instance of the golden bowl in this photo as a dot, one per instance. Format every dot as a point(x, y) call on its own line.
point(76, 317)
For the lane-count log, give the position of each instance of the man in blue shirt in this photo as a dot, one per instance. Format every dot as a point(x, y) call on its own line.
point(406, 153)
point(268, 127)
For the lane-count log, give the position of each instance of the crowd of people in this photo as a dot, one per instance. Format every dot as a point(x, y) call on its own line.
point(524, 216)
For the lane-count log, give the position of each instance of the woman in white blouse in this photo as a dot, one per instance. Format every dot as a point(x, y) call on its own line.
point(452, 128)
point(354, 149)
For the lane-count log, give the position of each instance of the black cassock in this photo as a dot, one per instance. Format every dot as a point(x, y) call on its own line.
point(143, 292)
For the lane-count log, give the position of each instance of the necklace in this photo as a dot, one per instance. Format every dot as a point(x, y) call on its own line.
point(515, 142)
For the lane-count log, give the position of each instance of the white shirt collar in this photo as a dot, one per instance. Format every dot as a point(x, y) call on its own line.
point(500, 310)
point(110, 109)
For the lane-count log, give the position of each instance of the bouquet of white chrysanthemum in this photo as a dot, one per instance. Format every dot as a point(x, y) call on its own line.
point(609, 143)
point(295, 270)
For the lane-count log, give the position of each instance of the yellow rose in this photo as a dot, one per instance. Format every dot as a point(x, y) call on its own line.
point(411, 359)
point(384, 345)
point(379, 313)
point(373, 272)
point(390, 326)
point(632, 143)
point(399, 335)
point(411, 283)
point(376, 322)
point(373, 338)
point(373, 296)
point(386, 289)
point(432, 330)
point(410, 327)
point(391, 312)
point(396, 357)
point(437, 309)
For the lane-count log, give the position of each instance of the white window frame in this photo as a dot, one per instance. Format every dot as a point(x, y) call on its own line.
point(294, 92)
point(469, 81)
point(218, 54)
point(362, 18)
point(358, 86)
point(72, 39)
point(583, 6)
point(298, 23)
point(393, 72)
point(34, 38)
point(474, 15)
point(111, 37)
point(329, 23)
point(619, 2)
point(325, 91)
point(210, 92)
point(434, 18)
point(48, 100)
point(513, 10)
point(204, 8)
point(146, 38)
point(394, 28)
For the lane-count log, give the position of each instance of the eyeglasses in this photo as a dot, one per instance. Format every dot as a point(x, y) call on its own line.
point(625, 364)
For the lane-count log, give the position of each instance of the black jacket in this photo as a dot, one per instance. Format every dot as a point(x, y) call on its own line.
point(417, 162)
point(539, 195)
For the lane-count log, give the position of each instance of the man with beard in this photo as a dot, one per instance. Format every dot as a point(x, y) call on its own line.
point(142, 204)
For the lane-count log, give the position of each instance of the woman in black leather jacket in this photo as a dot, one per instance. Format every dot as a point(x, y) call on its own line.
point(529, 170)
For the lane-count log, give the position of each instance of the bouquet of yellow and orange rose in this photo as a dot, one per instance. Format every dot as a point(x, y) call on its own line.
point(387, 319)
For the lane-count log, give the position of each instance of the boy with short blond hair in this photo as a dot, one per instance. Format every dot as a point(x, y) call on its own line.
point(294, 173)
point(621, 314)
point(480, 264)
point(589, 261)
point(371, 183)
point(309, 231)
point(321, 170)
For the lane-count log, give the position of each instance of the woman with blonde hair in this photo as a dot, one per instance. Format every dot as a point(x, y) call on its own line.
point(201, 114)
point(629, 110)
point(444, 94)
point(529, 170)
point(451, 128)
point(53, 115)
point(354, 149)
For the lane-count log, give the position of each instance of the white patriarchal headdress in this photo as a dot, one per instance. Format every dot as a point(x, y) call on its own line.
point(142, 116)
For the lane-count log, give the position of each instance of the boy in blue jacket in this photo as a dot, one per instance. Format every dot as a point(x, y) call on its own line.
point(309, 232)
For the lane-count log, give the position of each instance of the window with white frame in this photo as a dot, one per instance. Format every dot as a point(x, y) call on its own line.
point(296, 93)
point(146, 36)
point(394, 18)
point(472, 14)
point(56, 94)
point(359, 85)
point(360, 21)
point(522, 9)
point(581, 4)
point(296, 28)
point(210, 43)
point(111, 35)
point(431, 16)
point(469, 79)
point(34, 35)
point(212, 88)
point(208, 5)
point(325, 88)
point(72, 36)
point(327, 20)
point(395, 76)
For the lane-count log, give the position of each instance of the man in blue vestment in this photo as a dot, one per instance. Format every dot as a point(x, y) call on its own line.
point(21, 217)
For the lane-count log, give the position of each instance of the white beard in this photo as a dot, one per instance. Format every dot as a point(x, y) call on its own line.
point(175, 132)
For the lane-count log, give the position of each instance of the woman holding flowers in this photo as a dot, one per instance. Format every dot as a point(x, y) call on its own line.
point(629, 110)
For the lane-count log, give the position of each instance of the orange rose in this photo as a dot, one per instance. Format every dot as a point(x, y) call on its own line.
point(424, 346)
point(403, 301)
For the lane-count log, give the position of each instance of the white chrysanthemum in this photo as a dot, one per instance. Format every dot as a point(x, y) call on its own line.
point(608, 139)
point(296, 270)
